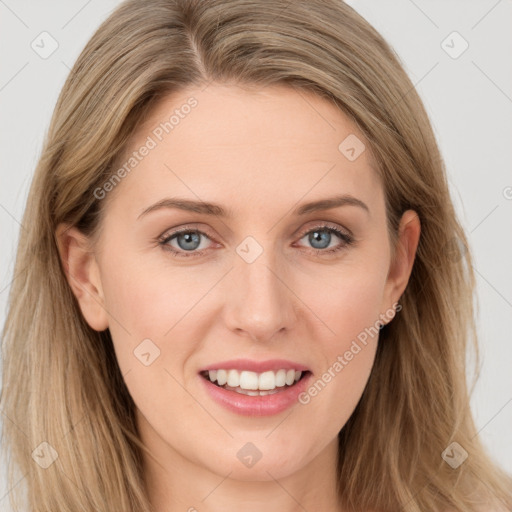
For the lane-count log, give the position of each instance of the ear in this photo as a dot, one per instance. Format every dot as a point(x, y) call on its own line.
point(401, 266)
point(82, 273)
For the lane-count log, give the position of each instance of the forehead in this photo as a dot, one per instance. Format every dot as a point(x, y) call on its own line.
point(247, 145)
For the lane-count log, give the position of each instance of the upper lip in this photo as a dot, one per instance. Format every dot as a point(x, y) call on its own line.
point(256, 366)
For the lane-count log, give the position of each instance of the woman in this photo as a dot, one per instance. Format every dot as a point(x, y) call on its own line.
point(239, 268)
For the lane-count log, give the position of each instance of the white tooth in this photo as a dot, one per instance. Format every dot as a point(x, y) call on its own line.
point(290, 377)
point(222, 377)
point(267, 380)
point(270, 392)
point(252, 381)
point(281, 378)
point(233, 378)
point(248, 380)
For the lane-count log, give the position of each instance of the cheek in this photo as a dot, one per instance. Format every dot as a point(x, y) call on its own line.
point(149, 300)
point(350, 309)
point(149, 312)
point(148, 308)
point(351, 304)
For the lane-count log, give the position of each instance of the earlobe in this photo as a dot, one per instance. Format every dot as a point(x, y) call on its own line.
point(82, 273)
point(402, 264)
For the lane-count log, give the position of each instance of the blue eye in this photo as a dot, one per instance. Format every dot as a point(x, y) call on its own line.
point(188, 241)
point(321, 237)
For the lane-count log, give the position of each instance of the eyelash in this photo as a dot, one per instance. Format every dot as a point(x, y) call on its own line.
point(163, 241)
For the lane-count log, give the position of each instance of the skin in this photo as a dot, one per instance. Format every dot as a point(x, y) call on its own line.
point(259, 153)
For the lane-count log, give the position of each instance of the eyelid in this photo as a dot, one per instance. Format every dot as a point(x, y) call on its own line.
point(322, 224)
point(168, 233)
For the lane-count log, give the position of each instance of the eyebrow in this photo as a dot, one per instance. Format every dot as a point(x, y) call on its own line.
point(217, 210)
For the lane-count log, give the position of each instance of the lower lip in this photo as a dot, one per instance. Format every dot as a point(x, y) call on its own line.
point(266, 405)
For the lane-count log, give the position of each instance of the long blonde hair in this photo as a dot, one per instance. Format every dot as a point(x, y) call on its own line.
point(61, 381)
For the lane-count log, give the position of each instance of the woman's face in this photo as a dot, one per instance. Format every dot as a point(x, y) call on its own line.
point(260, 284)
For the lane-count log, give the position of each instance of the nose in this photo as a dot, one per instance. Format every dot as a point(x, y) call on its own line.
point(259, 300)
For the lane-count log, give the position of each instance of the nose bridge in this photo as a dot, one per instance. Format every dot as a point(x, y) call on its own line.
point(260, 301)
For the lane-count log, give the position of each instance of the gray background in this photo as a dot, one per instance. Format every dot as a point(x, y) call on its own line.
point(469, 100)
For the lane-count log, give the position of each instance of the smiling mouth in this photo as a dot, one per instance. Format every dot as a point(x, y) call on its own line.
point(252, 383)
